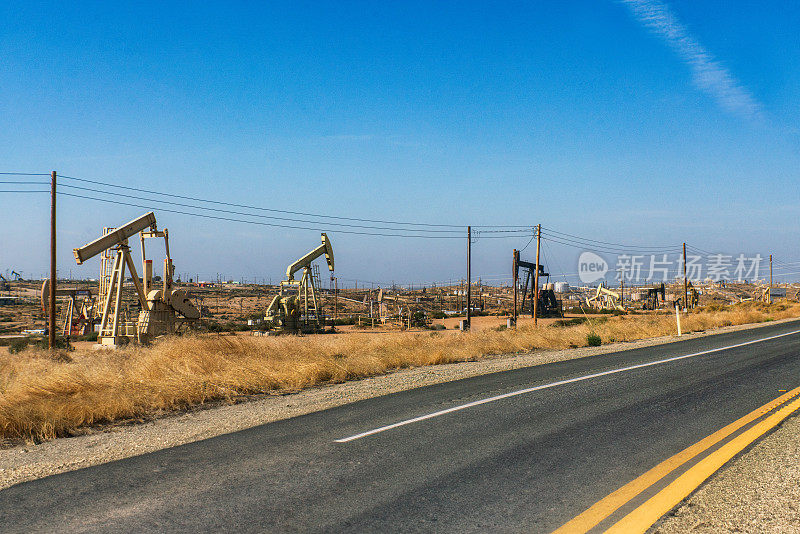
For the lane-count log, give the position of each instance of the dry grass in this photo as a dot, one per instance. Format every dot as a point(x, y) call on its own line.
point(43, 396)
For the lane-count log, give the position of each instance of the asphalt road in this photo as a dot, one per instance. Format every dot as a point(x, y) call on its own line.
point(526, 462)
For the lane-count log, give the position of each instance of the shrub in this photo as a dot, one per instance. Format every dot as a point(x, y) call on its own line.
point(88, 337)
point(593, 340)
point(21, 343)
point(569, 322)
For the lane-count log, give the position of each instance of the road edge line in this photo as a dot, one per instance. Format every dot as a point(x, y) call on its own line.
point(643, 517)
point(609, 504)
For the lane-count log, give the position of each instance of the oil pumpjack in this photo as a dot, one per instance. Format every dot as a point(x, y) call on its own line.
point(297, 307)
point(78, 315)
point(162, 310)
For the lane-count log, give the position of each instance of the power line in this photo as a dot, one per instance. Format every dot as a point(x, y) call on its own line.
point(608, 250)
point(565, 236)
point(523, 230)
point(274, 217)
point(231, 219)
point(698, 249)
point(260, 223)
point(274, 210)
point(533, 236)
point(419, 230)
point(546, 249)
point(611, 249)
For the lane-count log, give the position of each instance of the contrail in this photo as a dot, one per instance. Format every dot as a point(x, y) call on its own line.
point(707, 73)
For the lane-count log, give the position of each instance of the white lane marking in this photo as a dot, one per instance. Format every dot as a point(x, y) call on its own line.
point(545, 386)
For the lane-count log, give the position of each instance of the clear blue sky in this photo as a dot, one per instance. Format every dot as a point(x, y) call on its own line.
point(576, 115)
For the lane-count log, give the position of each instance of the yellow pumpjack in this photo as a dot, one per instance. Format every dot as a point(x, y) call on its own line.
point(297, 307)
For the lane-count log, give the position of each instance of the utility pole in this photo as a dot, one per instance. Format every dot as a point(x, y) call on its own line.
point(769, 301)
point(515, 268)
point(536, 276)
point(52, 303)
point(469, 274)
point(685, 281)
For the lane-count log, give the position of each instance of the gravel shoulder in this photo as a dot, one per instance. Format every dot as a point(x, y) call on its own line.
point(100, 445)
point(759, 491)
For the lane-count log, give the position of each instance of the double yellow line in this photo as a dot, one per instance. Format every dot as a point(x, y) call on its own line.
point(642, 517)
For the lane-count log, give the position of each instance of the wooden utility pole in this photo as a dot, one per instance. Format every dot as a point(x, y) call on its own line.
point(469, 275)
point(769, 299)
point(52, 302)
point(536, 276)
point(515, 267)
point(685, 281)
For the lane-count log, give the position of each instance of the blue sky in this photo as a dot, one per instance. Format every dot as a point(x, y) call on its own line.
point(576, 115)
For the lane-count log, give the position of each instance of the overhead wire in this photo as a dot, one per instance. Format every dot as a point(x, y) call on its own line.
point(698, 250)
point(22, 182)
point(260, 223)
point(273, 217)
point(277, 225)
point(571, 237)
point(407, 229)
point(275, 210)
point(533, 236)
point(790, 264)
point(607, 249)
point(395, 228)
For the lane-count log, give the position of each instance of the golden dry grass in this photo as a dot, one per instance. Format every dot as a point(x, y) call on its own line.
point(42, 396)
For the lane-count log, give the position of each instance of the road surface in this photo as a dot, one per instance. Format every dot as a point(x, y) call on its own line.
point(518, 451)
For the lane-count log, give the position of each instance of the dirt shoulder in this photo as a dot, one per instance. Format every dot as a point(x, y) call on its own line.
point(97, 446)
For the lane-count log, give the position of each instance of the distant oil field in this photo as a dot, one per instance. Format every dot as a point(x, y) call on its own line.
point(240, 308)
